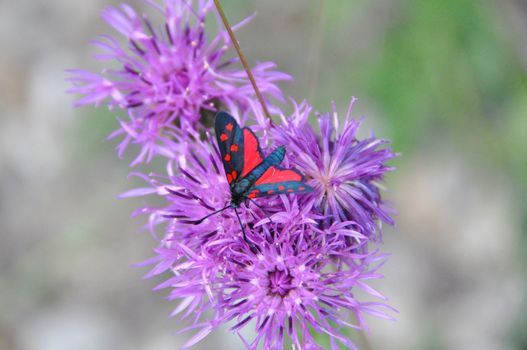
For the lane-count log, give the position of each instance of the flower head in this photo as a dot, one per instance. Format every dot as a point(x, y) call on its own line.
point(284, 279)
point(290, 288)
point(168, 78)
point(344, 170)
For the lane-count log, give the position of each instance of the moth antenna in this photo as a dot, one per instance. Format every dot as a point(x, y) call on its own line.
point(196, 222)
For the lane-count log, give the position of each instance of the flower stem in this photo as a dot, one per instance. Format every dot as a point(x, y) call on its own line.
point(242, 59)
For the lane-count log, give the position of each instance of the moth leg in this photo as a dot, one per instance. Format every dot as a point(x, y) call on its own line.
point(259, 207)
point(253, 247)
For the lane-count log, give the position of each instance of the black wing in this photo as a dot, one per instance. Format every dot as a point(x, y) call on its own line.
point(229, 136)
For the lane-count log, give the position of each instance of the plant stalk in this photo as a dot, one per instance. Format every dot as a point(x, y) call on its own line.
point(242, 59)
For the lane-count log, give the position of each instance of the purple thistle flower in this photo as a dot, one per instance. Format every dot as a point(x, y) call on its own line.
point(287, 287)
point(195, 254)
point(291, 289)
point(168, 77)
point(287, 283)
point(344, 170)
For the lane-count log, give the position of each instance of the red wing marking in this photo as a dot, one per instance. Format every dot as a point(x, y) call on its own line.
point(229, 178)
point(274, 175)
point(253, 194)
point(224, 137)
point(227, 157)
point(234, 174)
point(229, 127)
point(234, 148)
point(270, 189)
point(251, 152)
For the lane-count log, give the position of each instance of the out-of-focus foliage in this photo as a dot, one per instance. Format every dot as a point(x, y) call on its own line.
point(443, 69)
point(447, 66)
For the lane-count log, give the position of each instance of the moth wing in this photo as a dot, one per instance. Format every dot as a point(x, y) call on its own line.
point(252, 153)
point(278, 180)
point(230, 138)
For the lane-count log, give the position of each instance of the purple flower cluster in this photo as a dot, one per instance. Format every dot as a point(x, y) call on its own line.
point(294, 277)
point(168, 78)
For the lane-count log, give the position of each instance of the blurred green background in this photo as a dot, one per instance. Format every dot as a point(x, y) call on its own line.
point(446, 80)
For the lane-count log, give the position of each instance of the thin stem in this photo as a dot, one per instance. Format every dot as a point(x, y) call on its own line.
point(242, 59)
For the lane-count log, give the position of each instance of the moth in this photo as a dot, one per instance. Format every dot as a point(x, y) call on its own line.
point(249, 173)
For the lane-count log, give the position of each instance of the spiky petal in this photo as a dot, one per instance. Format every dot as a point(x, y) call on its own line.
point(344, 170)
point(168, 77)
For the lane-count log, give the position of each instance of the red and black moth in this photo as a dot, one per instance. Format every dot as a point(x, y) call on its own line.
point(250, 174)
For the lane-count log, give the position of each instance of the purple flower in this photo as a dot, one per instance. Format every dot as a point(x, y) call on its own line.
point(290, 288)
point(167, 78)
point(285, 285)
point(286, 282)
point(344, 170)
point(195, 254)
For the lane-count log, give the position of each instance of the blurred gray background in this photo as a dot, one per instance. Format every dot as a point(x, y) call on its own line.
point(445, 79)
